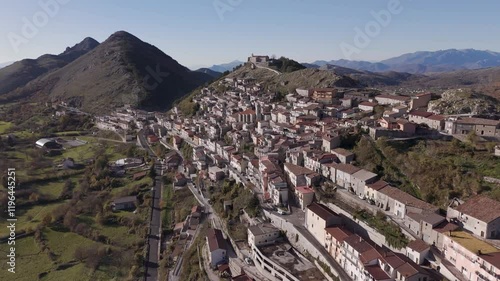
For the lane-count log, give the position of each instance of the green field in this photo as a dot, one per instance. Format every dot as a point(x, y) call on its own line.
point(37, 213)
point(4, 126)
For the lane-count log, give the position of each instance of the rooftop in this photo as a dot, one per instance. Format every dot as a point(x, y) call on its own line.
point(406, 198)
point(215, 239)
point(321, 210)
point(304, 189)
point(292, 261)
point(480, 207)
point(261, 229)
point(471, 243)
point(418, 245)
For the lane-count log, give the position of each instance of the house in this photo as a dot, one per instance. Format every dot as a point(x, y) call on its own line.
point(139, 175)
point(297, 174)
point(355, 254)
point(400, 203)
point(474, 258)
point(480, 126)
point(344, 156)
point(343, 174)
point(330, 141)
point(124, 203)
point(172, 160)
point(180, 180)
point(360, 179)
point(196, 211)
point(323, 95)
point(433, 121)
point(371, 190)
point(153, 139)
point(479, 215)
point(367, 106)
point(401, 268)
point(262, 234)
point(335, 236)
point(420, 101)
point(217, 249)
point(391, 99)
point(215, 173)
point(417, 250)
point(318, 217)
point(261, 60)
point(423, 225)
point(304, 195)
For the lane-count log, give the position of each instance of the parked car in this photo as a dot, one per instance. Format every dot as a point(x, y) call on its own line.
point(248, 261)
point(282, 212)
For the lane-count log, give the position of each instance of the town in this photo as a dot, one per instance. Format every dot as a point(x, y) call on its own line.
point(321, 217)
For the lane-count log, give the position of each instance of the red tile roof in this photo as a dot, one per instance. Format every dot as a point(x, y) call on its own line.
point(481, 207)
point(215, 239)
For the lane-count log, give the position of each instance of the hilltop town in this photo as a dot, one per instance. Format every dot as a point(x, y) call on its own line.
point(289, 151)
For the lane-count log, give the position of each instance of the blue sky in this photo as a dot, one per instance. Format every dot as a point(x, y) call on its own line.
point(196, 33)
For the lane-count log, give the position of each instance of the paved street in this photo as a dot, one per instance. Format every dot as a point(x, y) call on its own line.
point(154, 236)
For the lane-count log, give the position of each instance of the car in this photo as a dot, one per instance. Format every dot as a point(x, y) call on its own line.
point(282, 212)
point(248, 261)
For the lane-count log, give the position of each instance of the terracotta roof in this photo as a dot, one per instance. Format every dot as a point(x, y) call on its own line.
point(377, 185)
point(377, 273)
point(436, 117)
point(347, 168)
point(248, 111)
point(215, 239)
point(492, 258)
point(297, 170)
point(321, 210)
point(304, 189)
point(481, 207)
point(343, 152)
point(406, 198)
point(367, 103)
point(400, 98)
point(420, 113)
point(339, 233)
point(369, 255)
point(418, 245)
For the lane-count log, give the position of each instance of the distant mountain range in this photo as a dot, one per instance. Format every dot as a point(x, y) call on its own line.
point(225, 66)
point(96, 77)
point(423, 62)
point(212, 73)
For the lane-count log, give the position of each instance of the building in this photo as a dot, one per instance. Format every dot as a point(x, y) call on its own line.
point(474, 258)
point(433, 121)
point(360, 179)
point(304, 195)
point(479, 215)
point(297, 174)
point(262, 234)
point(480, 126)
point(367, 106)
point(343, 175)
point(215, 173)
point(47, 144)
point(400, 203)
point(217, 249)
point(417, 250)
point(124, 203)
point(392, 99)
point(420, 101)
point(319, 217)
point(335, 236)
point(344, 156)
point(260, 60)
point(323, 95)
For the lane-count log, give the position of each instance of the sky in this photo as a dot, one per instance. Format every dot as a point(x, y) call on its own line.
point(205, 32)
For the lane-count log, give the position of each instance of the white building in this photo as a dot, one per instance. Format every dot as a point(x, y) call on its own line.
point(262, 234)
point(319, 217)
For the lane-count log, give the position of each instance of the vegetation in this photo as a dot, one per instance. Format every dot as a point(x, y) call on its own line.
point(434, 171)
point(192, 258)
point(285, 65)
point(391, 231)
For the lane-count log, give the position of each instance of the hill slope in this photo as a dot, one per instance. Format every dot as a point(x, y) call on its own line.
point(121, 70)
point(19, 73)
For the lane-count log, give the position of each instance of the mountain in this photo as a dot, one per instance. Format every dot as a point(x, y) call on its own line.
point(225, 66)
point(19, 73)
point(425, 62)
point(213, 74)
point(121, 70)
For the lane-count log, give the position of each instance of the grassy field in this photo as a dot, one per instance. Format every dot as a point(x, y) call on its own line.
point(29, 263)
point(36, 213)
point(4, 126)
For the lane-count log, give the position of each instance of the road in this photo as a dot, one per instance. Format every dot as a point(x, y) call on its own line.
point(154, 235)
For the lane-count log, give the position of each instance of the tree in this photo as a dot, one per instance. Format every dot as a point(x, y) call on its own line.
point(152, 172)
